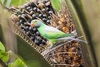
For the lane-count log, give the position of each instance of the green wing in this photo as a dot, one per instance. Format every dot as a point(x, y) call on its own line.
point(53, 33)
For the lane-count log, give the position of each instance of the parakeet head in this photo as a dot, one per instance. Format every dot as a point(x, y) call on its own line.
point(36, 23)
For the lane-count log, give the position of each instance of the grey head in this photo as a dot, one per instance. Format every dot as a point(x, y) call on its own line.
point(36, 23)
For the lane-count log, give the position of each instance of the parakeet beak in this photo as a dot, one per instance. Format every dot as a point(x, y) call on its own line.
point(32, 25)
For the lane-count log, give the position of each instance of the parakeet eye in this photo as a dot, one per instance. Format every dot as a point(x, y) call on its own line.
point(35, 21)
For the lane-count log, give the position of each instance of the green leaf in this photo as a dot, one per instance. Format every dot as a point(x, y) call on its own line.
point(5, 57)
point(56, 4)
point(17, 63)
point(18, 2)
point(6, 2)
point(2, 53)
point(2, 48)
point(9, 3)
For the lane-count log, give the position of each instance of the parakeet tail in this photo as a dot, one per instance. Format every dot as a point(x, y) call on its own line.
point(72, 39)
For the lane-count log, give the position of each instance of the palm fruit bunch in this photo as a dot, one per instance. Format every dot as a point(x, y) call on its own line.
point(30, 11)
point(68, 55)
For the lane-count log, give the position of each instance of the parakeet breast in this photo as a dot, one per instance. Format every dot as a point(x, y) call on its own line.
point(41, 30)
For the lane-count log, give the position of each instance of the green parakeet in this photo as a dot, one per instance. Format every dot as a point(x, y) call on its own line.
point(52, 34)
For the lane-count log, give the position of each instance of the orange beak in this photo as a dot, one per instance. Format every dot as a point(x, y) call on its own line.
point(32, 25)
